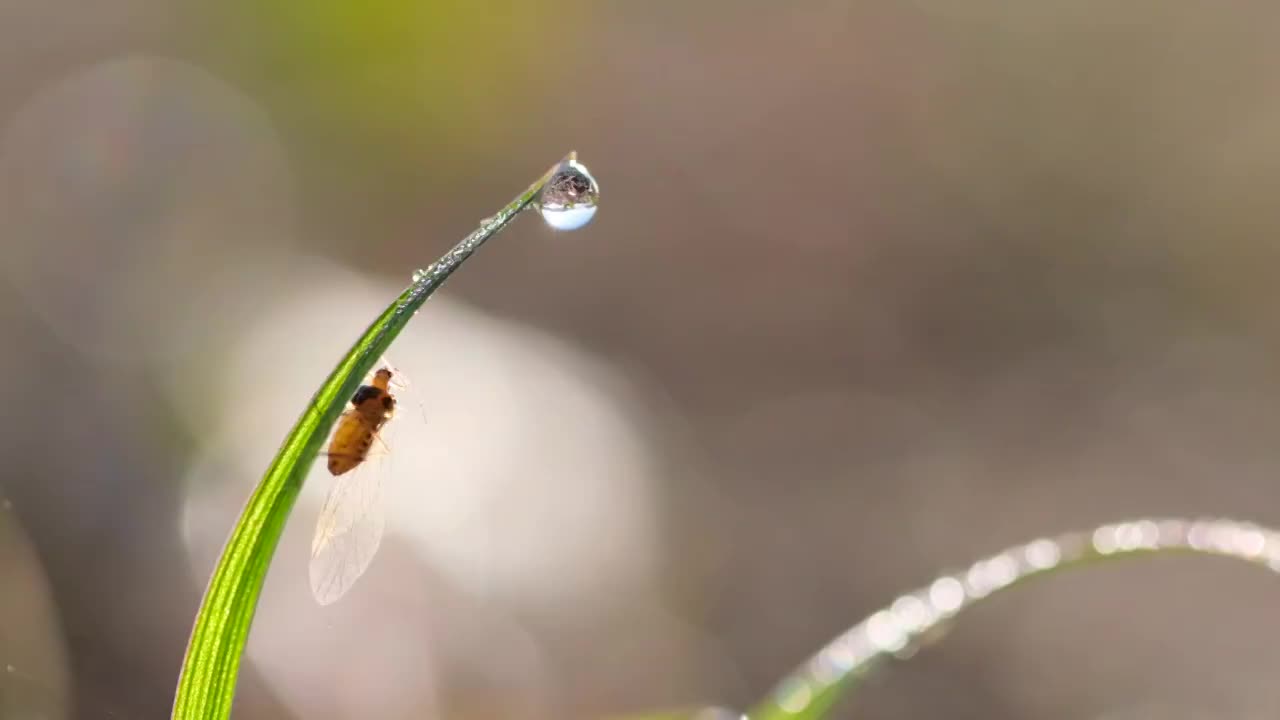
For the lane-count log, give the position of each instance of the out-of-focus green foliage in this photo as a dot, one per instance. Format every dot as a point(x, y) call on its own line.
point(398, 76)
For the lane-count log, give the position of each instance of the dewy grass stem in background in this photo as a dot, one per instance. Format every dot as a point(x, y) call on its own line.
point(836, 671)
point(566, 196)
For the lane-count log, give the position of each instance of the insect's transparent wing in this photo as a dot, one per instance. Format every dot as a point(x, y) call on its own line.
point(348, 532)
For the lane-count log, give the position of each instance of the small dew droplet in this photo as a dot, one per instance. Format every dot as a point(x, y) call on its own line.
point(570, 198)
point(419, 274)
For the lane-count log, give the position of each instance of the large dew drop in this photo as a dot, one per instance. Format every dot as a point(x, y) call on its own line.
point(570, 198)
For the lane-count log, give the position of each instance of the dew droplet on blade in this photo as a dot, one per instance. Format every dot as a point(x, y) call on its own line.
point(570, 198)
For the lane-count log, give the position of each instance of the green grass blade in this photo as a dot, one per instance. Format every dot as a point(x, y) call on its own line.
point(835, 673)
point(689, 713)
point(207, 684)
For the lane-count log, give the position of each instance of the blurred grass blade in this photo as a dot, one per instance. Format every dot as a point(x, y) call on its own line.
point(835, 672)
point(690, 713)
point(207, 684)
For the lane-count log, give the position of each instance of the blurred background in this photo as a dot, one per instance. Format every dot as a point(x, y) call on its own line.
point(876, 288)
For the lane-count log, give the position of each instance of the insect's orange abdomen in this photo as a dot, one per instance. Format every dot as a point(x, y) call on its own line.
point(350, 444)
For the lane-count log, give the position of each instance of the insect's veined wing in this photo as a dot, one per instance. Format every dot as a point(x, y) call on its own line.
point(348, 531)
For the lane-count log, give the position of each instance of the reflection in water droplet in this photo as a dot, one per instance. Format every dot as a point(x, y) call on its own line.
point(570, 198)
point(419, 274)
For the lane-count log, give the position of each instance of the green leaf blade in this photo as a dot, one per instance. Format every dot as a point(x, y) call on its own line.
point(206, 686)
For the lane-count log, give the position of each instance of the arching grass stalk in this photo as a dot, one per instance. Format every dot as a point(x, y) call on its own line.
point(207, 684)
point(836, 671)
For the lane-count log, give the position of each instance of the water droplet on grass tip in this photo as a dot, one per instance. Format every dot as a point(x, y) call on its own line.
point(570, 198)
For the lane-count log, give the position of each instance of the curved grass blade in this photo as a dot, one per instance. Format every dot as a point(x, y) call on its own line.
point(207, 684)
point(836, 671)
point(689, 713)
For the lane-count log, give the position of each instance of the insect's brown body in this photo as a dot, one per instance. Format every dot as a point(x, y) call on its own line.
point(372, 406)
